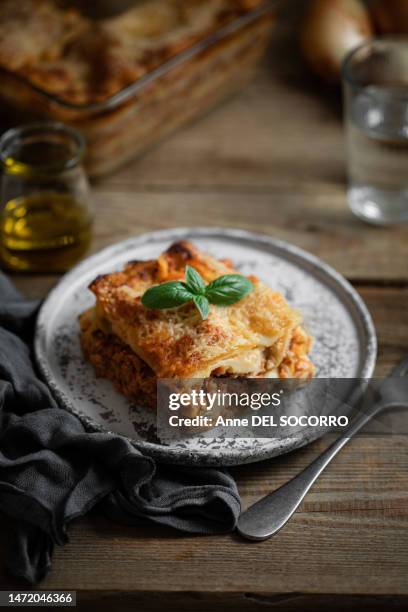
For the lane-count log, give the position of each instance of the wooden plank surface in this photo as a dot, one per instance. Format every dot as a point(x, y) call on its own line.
point(263, 188)
point(271, 160)
point(349, 536)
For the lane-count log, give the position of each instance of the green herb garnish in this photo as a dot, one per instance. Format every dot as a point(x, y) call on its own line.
point(223, 291)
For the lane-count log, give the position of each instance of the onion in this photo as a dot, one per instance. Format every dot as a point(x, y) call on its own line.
point(391, 16)
point(330, 29)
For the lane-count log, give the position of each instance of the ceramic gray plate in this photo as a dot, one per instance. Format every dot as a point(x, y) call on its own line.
point(344, 347)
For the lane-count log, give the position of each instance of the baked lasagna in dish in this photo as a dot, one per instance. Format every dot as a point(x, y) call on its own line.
point(83, 60)
point(169, 60)
point(259, 336)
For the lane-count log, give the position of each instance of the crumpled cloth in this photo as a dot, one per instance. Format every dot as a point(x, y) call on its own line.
point(53, 470)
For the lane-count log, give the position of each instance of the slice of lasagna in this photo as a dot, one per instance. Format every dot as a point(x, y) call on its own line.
point(258, 336)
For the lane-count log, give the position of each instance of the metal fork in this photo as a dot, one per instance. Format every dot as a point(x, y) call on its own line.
point(264, 518)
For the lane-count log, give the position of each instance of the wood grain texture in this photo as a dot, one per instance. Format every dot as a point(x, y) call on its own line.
point(272, 161)
point(349, 537)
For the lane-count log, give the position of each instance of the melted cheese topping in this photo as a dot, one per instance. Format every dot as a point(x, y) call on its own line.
point(250, 337)
point(246, 362)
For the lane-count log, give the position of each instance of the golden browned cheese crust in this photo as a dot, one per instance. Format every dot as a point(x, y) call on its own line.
point(84, 61)
point(33, 32)
point(250, 337)
point(114, 360)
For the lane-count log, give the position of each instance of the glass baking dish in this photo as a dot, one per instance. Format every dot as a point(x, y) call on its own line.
point(126, 124)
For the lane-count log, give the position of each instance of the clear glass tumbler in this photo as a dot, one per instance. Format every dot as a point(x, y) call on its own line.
point(375, 84)
point(45, 209)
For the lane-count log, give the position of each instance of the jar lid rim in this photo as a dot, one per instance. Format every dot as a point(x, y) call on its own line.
point(31, 129)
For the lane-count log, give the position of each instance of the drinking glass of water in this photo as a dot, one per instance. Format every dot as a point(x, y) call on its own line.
point(375, 81)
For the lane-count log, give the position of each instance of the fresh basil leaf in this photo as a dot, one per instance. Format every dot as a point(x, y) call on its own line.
point(194, 281)
point(228, 289)
point(202, 305)
point(167, 295)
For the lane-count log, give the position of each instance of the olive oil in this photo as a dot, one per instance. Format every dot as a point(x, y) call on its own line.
point(45, 210)
point(44, 232)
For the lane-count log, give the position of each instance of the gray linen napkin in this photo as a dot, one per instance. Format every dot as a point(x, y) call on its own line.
point(52, 470)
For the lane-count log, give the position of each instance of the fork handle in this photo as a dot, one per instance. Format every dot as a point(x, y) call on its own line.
point(264, 518)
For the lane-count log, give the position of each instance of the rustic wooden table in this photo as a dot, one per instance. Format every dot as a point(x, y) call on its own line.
point(272, 161)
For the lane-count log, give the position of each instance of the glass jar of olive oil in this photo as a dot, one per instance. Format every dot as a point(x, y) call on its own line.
point(45, 210)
